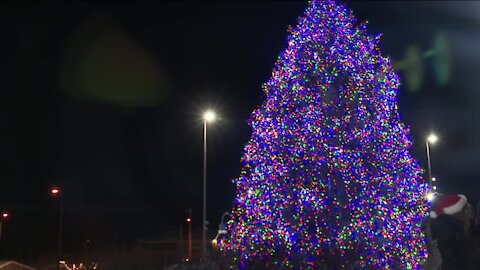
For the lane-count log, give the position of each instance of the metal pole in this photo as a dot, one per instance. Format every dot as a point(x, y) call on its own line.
point(429, 166)
point(60, 231)
point(204, 227)
point(190, 234)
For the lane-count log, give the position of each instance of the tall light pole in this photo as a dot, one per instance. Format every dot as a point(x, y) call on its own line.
point(208, 116)
point(189, 220)
point(3, 217)
point(432, 138)
point(56, 192)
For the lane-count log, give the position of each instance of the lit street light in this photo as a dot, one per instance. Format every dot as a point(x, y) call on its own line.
point(4, 216)
point(208, 116)
point(56, 192)
point(432, 138)
point(189, 220)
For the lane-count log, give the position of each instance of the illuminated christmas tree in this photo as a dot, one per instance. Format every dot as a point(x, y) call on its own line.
point(328, 181)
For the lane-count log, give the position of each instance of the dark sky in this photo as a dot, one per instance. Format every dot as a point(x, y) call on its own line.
point(132, 170)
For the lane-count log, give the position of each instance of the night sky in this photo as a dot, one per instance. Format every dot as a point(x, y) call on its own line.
point(105, 100)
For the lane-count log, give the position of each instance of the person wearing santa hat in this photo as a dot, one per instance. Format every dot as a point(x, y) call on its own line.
point(450, 222)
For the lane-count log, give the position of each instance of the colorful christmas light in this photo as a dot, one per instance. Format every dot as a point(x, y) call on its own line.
point(328, 180)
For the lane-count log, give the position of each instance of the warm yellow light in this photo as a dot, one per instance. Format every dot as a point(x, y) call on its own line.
point(214, 242)
point(430, 196)
point(432, 138)
point(209, 116)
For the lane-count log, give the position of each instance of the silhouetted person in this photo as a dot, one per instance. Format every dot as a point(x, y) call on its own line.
point(450, 225)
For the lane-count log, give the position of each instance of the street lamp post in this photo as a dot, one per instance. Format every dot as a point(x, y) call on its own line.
point(207, 117)
point(222, 228)
point(56, 192)
point(4, 216)
point(189, 220)
point(430, 139)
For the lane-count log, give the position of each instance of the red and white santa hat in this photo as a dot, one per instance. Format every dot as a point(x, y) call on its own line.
point(449, 205)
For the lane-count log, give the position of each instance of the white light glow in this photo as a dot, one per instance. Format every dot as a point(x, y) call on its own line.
point(209, 116)
point(432, 138)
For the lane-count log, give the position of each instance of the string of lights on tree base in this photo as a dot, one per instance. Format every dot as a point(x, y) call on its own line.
point(328, 181)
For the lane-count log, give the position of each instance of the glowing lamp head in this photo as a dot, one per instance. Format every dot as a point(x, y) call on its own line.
point(430, 196)
point(432, 138)
point(5, 215)
point(55, 191)
point(434, 179)
point(209, 116)
point(189, 220)
point(214, 242)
